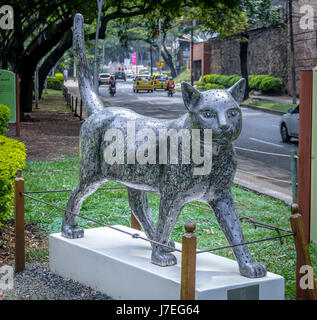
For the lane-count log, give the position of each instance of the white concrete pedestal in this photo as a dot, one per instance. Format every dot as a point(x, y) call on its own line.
point(116, 264)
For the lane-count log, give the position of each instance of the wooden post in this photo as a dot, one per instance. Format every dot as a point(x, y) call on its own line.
point(134, 222)
point(72, 105)
point(304, 148)
point(188, 276)
point(302, 255)
point(19, 222)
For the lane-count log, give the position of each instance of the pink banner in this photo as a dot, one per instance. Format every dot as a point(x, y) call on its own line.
point(134, 58)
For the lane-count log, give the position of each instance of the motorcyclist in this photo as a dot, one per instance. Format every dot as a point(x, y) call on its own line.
point(170, 85)
point(112, 84)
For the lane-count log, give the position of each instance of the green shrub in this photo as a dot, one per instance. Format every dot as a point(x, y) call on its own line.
point(4, 118)
point(59, 76)
point(271, 84)
point(265, 83)
point(201, 86)
point(55, 83)
point(183, 68)
point(168, 73)
point(12, 158)
point(255, 81)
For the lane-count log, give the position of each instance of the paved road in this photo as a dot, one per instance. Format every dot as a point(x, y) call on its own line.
point(260, 130)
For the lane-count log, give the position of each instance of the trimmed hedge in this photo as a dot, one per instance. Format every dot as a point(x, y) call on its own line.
point(59, 76)
point(264, 83)
point(55, 83)
point(4, 118)
point(201, 86)
point(12, 158)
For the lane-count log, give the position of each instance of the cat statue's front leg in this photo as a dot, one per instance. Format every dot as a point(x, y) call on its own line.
point(228, 220)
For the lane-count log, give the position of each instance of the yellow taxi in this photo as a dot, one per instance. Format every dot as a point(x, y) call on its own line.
point(160, 81)
point(143, 83)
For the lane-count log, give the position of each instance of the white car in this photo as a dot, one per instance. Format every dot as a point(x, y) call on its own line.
point(129, 74)
point(289, 124)
point(103, 78)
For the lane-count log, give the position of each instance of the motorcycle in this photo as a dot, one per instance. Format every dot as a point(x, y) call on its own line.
point(112, 90)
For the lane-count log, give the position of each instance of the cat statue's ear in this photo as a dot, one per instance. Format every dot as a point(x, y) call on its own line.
point(190, 96)
point(237, 90)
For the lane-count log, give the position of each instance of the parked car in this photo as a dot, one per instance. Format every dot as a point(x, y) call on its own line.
point(160, 81)
point(129, 73)
point(289, 124)
point(143, 83)
point(120, 75)
point(103, 78)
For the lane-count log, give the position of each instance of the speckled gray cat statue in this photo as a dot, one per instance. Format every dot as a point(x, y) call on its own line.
point(177, 184)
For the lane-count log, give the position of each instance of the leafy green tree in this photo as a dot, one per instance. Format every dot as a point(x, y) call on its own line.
point(250, 13)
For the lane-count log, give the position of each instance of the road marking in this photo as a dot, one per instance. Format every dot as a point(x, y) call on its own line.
point(266, 142)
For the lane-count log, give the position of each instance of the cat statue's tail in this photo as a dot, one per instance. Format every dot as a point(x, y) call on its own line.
point(91, 100)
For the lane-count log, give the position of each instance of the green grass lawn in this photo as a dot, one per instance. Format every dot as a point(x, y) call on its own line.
point(111, 207)
point(270, 105)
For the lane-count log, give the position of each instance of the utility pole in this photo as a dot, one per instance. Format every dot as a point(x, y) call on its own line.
point(103, 54)
point(292, 55)
point(95, 75)
point(160, 39)
point(192, 52)
point(151, 58)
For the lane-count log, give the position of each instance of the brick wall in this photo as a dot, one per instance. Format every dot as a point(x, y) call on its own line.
point(305, 40)
point(267, 53)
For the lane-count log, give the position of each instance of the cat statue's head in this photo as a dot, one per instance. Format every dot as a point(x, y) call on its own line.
point(216, 109)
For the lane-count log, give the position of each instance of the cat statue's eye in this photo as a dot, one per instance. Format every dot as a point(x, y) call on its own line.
point(233, 113)
point(207, 114)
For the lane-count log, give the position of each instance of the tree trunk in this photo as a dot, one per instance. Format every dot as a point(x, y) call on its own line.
point(26, 90)
point(168, 58)
point(53, 58)
point(244, 42)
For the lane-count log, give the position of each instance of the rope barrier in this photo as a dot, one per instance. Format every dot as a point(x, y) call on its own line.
point(138, 236)
point(246, 243)
point(133, 235)
point(69, 190)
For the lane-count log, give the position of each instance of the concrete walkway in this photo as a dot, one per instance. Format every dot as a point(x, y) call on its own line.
point(279, 99)
point(251, 174)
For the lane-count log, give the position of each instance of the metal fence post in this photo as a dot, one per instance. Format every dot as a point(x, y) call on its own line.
point(294, 175)
point(188, 276)
point(302, 256)
point(19, 222)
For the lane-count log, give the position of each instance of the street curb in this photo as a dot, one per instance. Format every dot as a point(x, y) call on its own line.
point(262, 109)
point(264, 191)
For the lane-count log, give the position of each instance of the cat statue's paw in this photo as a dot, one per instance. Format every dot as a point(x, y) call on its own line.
point(253, 270)
point(72, 232)
point(162, 258)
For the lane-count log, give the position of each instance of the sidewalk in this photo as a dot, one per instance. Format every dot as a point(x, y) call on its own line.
point(279, 99)
point(250, 173)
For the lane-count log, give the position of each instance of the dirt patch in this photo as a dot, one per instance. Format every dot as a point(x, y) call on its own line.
point(52, 131)
point(35, 242)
